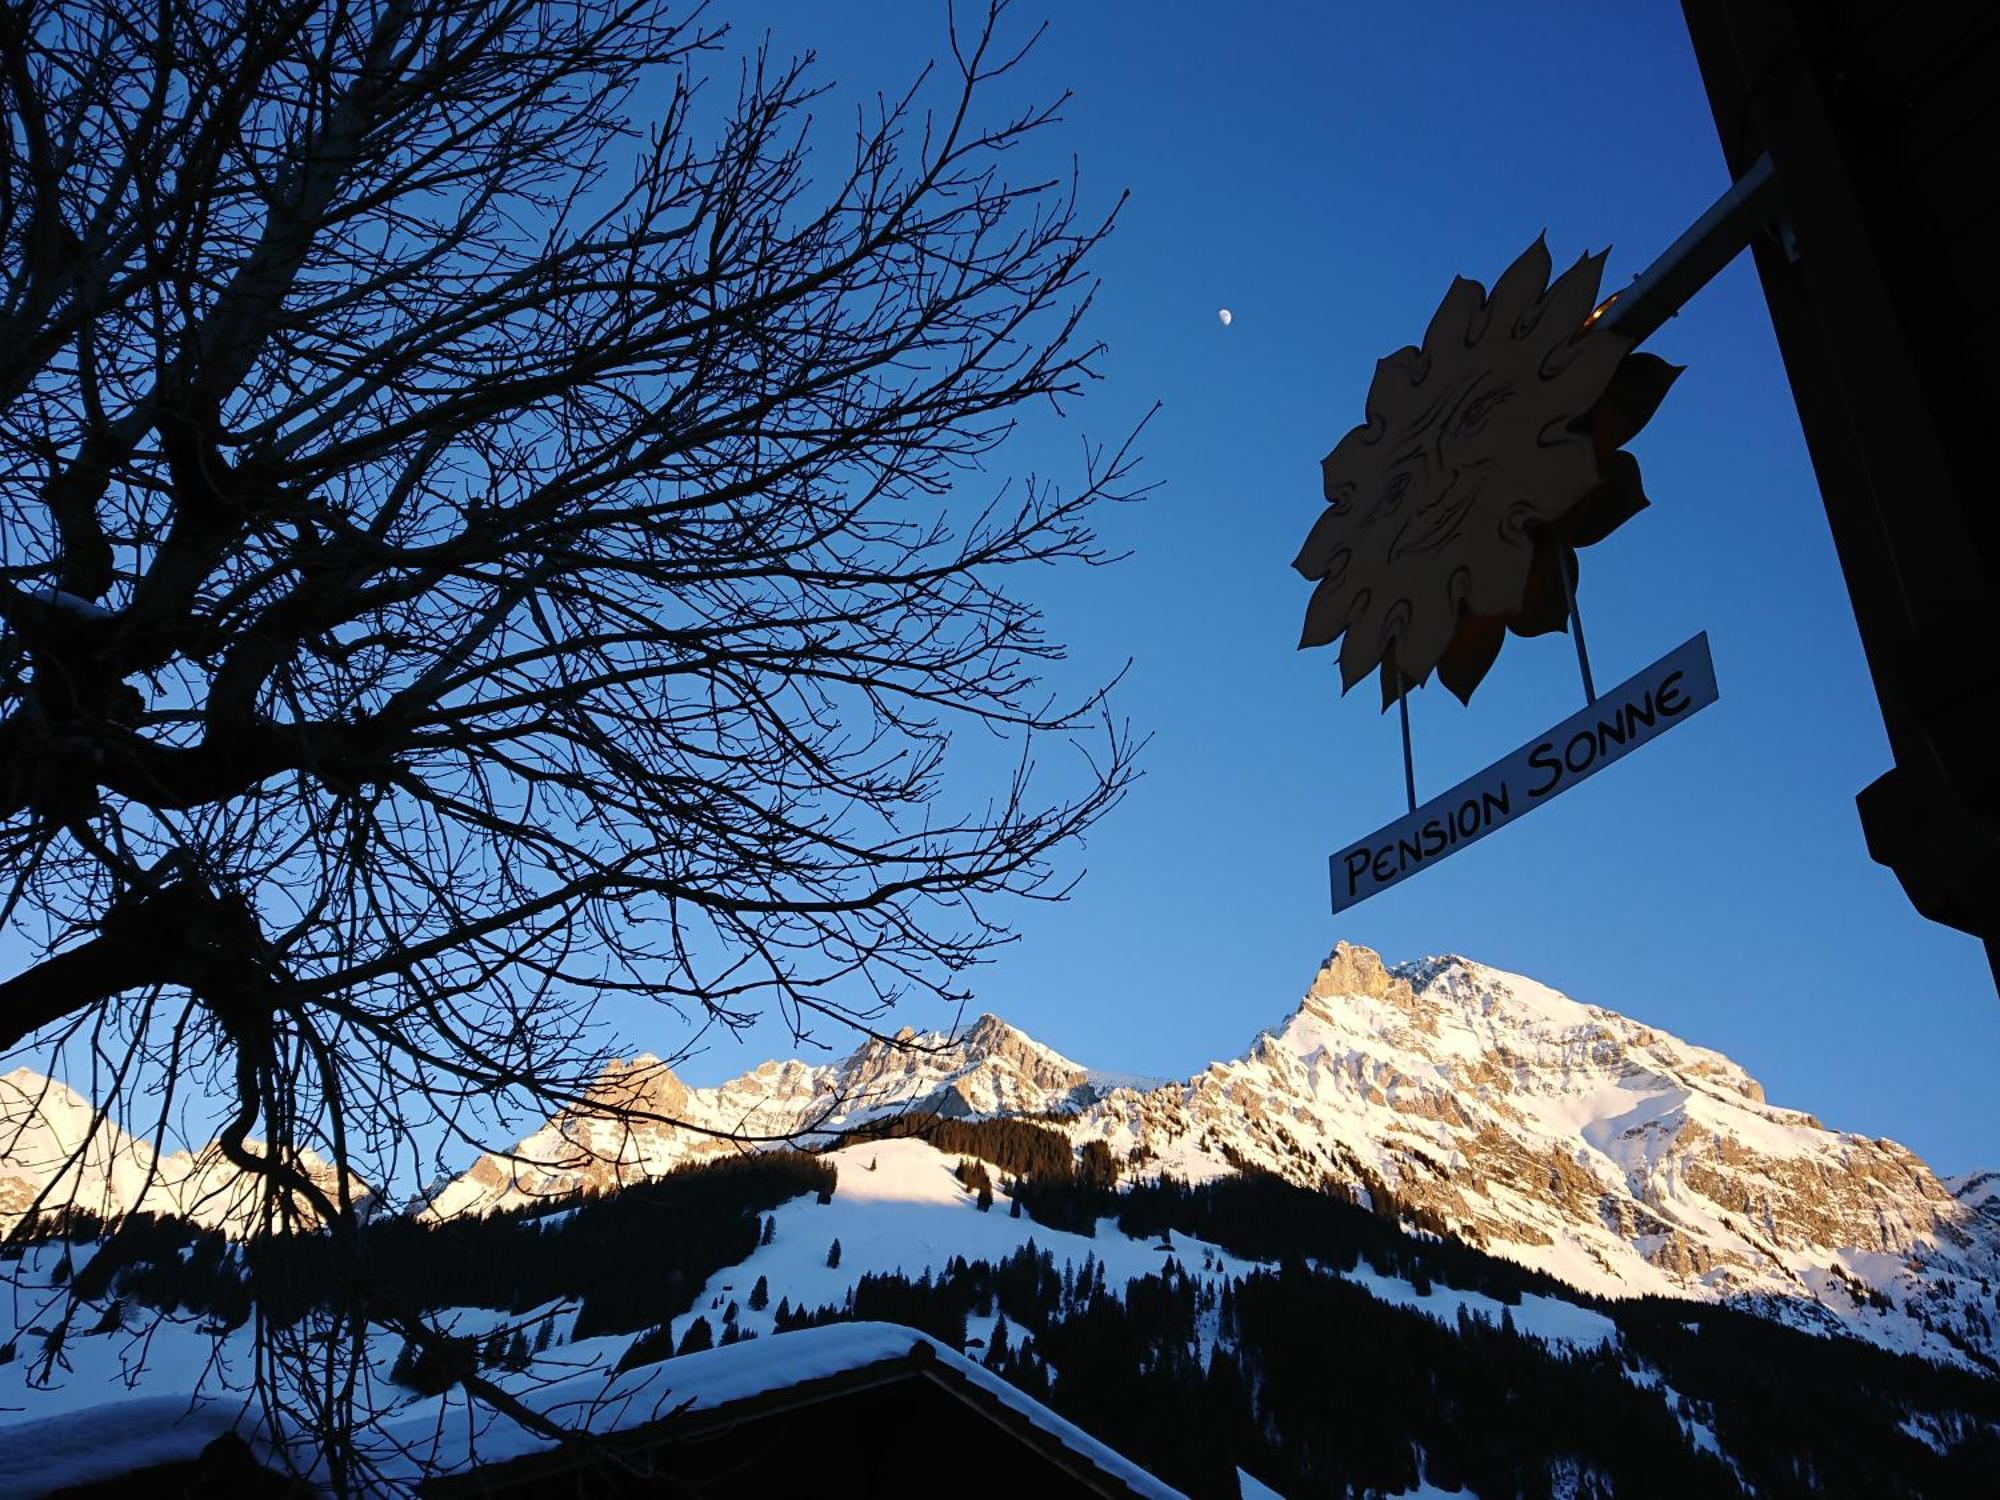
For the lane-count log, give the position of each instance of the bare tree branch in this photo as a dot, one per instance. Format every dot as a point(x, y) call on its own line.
point(474, 544)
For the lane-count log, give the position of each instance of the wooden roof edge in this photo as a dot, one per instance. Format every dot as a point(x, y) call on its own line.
point(610, 1447)
point(1025, 1429)
point(919, 1362)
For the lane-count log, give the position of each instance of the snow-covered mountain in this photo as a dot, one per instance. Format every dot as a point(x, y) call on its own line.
point(1469, 1101)
point(55, 1152)
point(1458, 1098)
point(991, 1069)
point(1568, 1137)
point(52, 1147)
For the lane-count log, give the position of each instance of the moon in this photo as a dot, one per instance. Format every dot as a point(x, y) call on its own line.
point(1225, 316)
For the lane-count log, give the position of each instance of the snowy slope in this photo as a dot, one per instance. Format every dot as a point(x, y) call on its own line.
point(167, 1386)
point(899, 1207)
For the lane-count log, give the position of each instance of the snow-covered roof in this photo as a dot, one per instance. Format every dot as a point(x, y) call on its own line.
point(694, 1383)
point(103, 1442)
point(443, 1435)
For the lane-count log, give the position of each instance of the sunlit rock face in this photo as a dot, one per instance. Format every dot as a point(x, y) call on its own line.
point(1620, 1159)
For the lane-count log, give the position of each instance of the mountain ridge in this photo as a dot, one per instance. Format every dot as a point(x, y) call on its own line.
point(1464, 1100)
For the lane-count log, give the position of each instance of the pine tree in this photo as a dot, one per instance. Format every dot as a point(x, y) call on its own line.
point(729, 1314)
point(649, 1348)
point(1096, 1165)
point(1014, 1212)
point(833, 1255)
point(996, 1347)
point(517, 1351)
point(699, 1336)
point(431, 1371)
point(770, 1230)
point(760, 1294)
point(545, 1334)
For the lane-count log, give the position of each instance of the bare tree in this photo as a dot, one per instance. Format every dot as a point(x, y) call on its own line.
point(487, 526)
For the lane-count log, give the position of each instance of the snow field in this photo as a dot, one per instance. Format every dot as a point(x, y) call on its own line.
point(899, 1208)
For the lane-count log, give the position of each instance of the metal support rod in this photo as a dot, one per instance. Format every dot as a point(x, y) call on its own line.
point(1409, 762)
point(1576, 634)
point(1690, 262)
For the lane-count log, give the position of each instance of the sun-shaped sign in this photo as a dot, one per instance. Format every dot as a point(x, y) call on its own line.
point(1490, 454)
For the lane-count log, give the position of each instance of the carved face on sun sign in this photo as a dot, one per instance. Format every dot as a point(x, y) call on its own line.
point(1488, 455)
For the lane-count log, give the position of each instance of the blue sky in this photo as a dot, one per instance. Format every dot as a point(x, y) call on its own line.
point(1323, 171)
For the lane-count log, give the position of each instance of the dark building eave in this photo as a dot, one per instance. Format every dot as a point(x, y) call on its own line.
point(1882, 295)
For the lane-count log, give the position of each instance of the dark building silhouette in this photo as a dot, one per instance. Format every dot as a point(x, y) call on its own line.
point(867, 1409)
point(1881, 119)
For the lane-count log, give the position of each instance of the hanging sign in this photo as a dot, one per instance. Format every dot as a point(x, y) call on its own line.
point(1489, 455)
point(1641, 709)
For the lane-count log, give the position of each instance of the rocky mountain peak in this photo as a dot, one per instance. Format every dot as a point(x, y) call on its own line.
point(1352, 985)
point(991, 1037)
point(1353, 970)
point(990, 1032)
point(989, 1068)
point(644, 1084)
